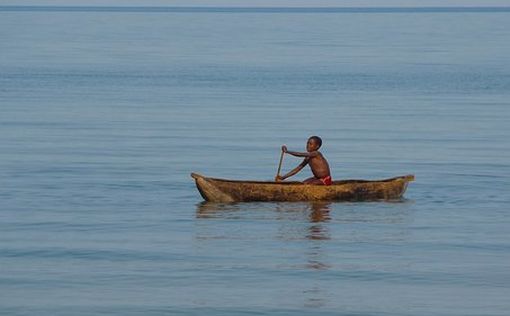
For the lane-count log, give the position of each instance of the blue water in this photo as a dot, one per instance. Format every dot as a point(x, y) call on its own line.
point(104, 113)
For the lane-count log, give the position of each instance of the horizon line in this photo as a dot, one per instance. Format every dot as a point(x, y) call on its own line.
point(265, 9)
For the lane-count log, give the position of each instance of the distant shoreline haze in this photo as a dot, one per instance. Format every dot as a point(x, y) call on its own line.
point(233, 9)
point(264, 3)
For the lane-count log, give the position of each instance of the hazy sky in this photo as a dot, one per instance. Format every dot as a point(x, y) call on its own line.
point(266, 3)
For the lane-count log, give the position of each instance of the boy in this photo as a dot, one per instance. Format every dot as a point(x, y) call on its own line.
point(315, 159)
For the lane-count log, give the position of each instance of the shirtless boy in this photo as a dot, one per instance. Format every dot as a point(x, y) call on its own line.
point(315, 159)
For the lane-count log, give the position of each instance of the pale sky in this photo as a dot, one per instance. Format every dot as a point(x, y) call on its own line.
point(267, 3)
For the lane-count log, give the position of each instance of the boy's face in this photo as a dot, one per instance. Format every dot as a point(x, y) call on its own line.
point(311, 145)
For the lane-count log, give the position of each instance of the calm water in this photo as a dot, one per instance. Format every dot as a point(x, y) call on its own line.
point(104, 115)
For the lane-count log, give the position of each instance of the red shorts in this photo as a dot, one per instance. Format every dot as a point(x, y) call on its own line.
point(326, 180)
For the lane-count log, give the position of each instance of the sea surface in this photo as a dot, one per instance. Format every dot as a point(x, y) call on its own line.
point(105, 112)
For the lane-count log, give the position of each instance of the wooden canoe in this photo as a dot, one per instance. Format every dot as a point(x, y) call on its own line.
point(222, 190)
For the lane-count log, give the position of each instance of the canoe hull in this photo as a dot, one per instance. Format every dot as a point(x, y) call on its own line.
point(227, 191)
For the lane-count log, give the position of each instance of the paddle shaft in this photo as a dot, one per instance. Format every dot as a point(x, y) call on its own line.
point(280, 164)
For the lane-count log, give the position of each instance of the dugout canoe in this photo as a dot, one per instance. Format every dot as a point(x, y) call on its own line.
point(227, 191)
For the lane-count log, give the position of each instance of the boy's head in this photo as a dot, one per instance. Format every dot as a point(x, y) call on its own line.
point(313, 143)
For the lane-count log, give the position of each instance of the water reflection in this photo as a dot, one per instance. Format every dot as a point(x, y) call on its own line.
point(313, 213)
point(317, 237)
point(311, 218)
point(295, 222)
point(319, 213)
point(212, 210)
point(318, 230)
point(316, 212)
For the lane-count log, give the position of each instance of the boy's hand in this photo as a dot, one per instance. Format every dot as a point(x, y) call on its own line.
point(278, 178)
point(284, 148)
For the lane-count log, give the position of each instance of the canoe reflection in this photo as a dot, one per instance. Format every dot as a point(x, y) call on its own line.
point(316, 213)
point(212, 210)
point(321, 238)
point(299, 233)
point(320, 212)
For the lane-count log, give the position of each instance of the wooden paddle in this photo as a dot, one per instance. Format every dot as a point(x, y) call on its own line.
point(279, 166)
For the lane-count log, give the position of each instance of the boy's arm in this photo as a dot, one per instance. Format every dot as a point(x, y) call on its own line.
point(300, 154)
point(306, 155)
point(294, 171)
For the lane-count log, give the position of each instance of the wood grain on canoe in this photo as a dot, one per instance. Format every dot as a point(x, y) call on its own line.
point(223, 190)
